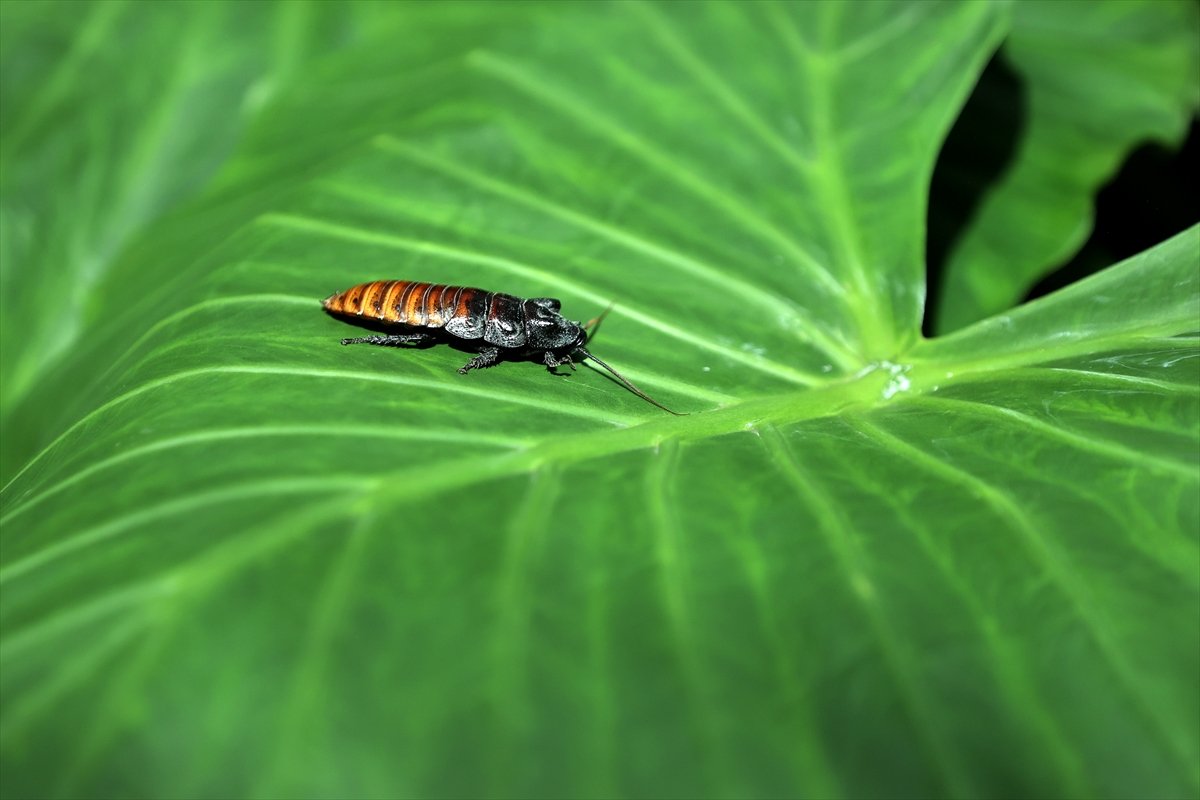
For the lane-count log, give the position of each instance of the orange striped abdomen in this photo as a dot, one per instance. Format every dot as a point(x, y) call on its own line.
point(416, 304)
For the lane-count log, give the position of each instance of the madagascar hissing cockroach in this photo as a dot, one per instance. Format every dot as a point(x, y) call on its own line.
point(497, 326)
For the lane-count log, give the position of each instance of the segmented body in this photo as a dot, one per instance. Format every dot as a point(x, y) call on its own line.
point(461, 311)
point(495, 325)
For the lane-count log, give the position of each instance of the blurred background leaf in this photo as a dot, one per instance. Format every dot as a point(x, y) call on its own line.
point(1092, 81)
point(240, 560)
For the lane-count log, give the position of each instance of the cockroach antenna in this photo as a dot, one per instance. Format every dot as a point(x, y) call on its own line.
point(597, 320)
point(625, 381)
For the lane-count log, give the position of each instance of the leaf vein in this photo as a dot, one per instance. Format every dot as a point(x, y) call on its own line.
point(1092, 445)
point(901, 664)
point(226, 434)
point(1061, 577)
point(726, 280)
point(735, 208)
point(242, 491)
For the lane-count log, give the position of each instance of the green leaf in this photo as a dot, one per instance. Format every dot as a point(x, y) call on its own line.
point(94, 149)
point(240, 560)
point(1100, 78)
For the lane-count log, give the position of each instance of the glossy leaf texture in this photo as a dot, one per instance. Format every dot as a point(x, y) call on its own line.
point(1099, 79)
point(95, 146)
point(240, 560)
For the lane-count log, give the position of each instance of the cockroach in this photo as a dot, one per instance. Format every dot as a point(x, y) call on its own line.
point(496, 326)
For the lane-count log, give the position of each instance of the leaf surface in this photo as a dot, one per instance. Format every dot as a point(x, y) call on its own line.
point(243, 560)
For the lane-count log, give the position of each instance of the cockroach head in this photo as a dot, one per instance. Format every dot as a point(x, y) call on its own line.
point(547, 329)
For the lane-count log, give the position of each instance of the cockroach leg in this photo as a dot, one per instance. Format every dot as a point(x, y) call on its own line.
point(394, 340)
point(486, 358)
point(552, 361)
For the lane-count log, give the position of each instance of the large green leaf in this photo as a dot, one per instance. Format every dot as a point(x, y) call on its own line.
point(239, 559)
point(1100, 79)
point(95, 145)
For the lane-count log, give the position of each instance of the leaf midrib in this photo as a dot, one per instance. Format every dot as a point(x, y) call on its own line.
point(857, 394)
point(862, 390)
